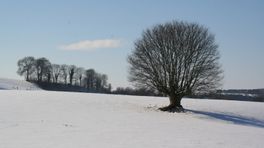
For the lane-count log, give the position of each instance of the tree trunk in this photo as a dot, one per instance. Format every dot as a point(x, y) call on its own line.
point(175, 104)
point(27, 78)
point(70, 80)
point(175, 101)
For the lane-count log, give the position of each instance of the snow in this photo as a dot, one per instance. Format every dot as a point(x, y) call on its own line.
point(44, 119)
point(11, 84)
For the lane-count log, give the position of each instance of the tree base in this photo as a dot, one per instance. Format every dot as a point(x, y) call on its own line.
point(171, 108)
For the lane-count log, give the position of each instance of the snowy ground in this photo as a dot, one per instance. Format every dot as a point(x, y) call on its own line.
point(11, 84)
point(43, 119)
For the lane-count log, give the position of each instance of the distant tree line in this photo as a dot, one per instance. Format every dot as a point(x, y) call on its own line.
point(256, 95)
point(136, 91)
point(55, 76)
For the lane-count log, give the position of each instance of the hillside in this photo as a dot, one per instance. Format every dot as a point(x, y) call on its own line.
point(34, 119)
point(11, 84)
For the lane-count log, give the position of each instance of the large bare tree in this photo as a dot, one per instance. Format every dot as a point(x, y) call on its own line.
point(177, 59)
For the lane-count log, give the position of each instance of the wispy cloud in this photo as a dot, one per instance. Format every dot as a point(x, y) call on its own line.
point(89, 45)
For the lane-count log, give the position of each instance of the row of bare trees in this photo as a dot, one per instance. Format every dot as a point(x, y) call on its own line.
point(42, 70)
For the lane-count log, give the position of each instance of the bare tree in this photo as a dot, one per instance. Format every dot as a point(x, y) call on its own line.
point(64, 72)
point(98, 82)
point(109, 88)
point(43, 68)
point(48, 74)
point(177, 59)
point(101, 82)
point(26, 67)
point(79, 74)
point(90, 79)
point(104, 79)
point(71, 71)
point(56, 72)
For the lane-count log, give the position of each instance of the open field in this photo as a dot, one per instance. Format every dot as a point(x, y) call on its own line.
point(41, 119)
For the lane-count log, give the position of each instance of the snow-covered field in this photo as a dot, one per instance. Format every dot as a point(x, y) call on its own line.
point(43, 119)
point(11, 84)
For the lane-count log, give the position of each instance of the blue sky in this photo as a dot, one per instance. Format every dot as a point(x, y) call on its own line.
point(46, 28)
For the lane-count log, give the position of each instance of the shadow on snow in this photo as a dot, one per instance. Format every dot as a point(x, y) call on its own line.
point(231, 118)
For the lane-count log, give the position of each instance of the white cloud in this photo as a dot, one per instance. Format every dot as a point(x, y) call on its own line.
point(88, 45)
